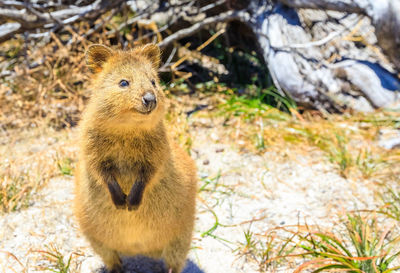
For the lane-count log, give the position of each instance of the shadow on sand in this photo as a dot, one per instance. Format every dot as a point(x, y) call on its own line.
point(141, 264)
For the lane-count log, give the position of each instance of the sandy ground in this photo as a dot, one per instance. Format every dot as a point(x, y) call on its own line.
point(246, 192)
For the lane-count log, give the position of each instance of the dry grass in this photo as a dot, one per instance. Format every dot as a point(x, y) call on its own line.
point(29, 159)
point(46, 87)
point(45, 82)
point(349, 141)
point(361, 242)
point(55, 260)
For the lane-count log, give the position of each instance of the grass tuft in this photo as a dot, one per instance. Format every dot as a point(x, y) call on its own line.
point(363, 246)
point(57, 262)
point(28, 163)
point(65, 166)
point(268, 250)
point(348, 141)
point(391, 199)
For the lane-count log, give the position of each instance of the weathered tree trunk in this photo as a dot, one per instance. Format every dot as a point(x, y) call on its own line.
point(299, 65)
point(385, 16)
point(274, 30)
point(300, 70)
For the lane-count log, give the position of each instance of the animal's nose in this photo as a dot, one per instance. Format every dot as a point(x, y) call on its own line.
point(149, 101)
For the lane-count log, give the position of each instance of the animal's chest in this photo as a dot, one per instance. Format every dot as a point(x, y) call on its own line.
point(127, 154)
point(128, 161)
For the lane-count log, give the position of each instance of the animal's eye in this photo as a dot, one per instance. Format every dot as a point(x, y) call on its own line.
point(123, 83)
point(153, 82)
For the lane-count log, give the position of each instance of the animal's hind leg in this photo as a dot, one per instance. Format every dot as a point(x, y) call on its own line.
point(110, 257)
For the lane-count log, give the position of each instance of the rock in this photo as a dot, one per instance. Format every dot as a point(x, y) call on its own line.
point(389, 144)
point(389, 138)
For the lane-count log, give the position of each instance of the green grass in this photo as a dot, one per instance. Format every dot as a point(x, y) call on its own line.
point(369, 163)
point(339, 154)
point(333, 141)
point(251, 107)
point(58, 263)
point(268, 251)
point(209, 232)
point(364, 246)
point(391, 200)
point(15, 192)
point(210, 183)
point(65, 166)
point(266, 110)
point(349, 141)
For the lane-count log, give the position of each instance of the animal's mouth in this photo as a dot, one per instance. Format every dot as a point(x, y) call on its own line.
point(142, 112)
point(148, 105)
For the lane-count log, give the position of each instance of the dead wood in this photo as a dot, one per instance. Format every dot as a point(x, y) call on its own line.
point(385, 16)
point(32, 17)
point(324, 54)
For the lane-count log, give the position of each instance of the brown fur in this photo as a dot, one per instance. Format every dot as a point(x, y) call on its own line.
point(135, 188)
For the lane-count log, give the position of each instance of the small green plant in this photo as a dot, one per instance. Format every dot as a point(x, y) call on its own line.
point(268, 250)
point(210, 231)
point(57, 261)
point(330, 140)
point(362, 248)
point(65, 166)
point(210, 181)
point(260, 142)
point(212, 185)
point(391, 199)
point(249, 108)
point(339, 153)
point(14, 193)
point(368, 163)
point(274, 98)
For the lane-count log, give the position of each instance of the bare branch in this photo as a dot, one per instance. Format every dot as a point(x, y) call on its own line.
point(223, 17)
point(29, 19)
point(212, 5)
point(338, 5)
point(21, 16)
point(7, 30)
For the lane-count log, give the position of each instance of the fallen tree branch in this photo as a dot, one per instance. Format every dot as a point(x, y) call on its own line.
point(31, 20)
point(337, 5)
point(8, 30)
point(223, 17)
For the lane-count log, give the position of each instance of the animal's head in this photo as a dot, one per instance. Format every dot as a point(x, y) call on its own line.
point(126, 89)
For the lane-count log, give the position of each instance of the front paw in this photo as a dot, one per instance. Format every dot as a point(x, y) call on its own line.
point(135, 195)
point(120, 206)
point(120, 202)
point(118, 197)
point(133, 207)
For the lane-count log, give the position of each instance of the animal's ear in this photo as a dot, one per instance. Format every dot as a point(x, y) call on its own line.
point(152, 52)
point(96, 56)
